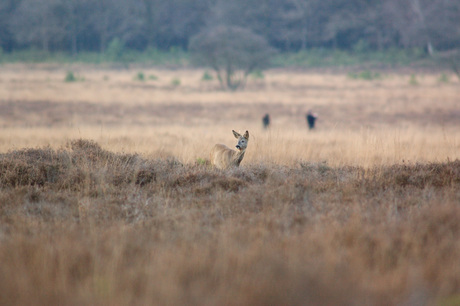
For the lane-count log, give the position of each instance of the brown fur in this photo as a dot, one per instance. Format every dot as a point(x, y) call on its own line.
point(222, 157)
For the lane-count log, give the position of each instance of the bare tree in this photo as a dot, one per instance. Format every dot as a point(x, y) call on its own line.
point(232, 52)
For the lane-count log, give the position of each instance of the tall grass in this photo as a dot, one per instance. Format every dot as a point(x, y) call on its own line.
point(361, 122)
point(107, 196)
point(83, 225)
point(364, 148)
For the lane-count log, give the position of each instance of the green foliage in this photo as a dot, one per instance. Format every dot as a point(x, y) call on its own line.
point(140, 77)
point(175, 82)
point(321, 57)
point(207, 76)
point(361, 46)
point(201, 161)
point(365, 75)
point(311, 58)
point(31, 55)
point(443, 78)
point(413, 80)
point(115, 49)
point(173, 57)
point(71, 77)
point(257, 74)
point(315, 58)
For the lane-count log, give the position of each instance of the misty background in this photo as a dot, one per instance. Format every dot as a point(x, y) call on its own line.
point(75, 26)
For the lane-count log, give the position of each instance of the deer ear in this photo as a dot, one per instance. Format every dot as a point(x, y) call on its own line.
point(237, 135)
point(246, 135)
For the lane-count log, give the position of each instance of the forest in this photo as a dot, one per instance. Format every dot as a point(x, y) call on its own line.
point(74, 26)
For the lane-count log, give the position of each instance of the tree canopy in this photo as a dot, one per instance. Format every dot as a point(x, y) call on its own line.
point(287, 25)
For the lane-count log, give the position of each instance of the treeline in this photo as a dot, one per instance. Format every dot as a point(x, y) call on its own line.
point(287, 25)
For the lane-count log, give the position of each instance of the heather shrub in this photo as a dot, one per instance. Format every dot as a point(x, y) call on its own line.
point(126, 229)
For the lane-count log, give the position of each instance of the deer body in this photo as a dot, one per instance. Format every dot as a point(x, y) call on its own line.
point(223, 157)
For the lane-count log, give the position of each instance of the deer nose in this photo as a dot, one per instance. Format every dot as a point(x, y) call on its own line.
point(238, 147)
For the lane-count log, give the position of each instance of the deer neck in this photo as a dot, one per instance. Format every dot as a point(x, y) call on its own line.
point(238, 156)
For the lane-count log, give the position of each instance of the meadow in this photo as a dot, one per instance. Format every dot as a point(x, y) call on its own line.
point(107, 196)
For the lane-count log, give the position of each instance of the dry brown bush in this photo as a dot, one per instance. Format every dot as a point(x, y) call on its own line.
point(83, 225)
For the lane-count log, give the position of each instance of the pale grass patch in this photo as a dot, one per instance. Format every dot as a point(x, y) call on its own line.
point(364, 123)
point(108, 85)
point(366, 148)
point(363, 147)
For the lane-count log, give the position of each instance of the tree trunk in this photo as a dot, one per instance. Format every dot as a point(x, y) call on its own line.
point(150, 23)
point(72, 27)
point(74, 43)
point(103, 36)
point(421, 18)
point(45, 40)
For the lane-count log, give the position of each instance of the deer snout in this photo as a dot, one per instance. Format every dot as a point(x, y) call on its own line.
point(238, 147)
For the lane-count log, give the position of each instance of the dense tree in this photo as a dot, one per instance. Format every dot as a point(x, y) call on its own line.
point(431, 24)
point(37, 23)
point(287, 25)
point(179, 20)
point(7, 8)
point(75, 13)
point(268, 18)
point(107, 21)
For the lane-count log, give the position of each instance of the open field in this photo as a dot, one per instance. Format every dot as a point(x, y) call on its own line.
point(361, 122)
point(106, 196)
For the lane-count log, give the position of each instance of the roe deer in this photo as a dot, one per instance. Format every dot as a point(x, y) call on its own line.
point(223, 157)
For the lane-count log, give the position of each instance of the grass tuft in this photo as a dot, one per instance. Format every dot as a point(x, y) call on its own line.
point(365, 75)
point(121, 228)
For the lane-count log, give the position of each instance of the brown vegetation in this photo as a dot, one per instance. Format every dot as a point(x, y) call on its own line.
point(107, 196)
point(82, 225)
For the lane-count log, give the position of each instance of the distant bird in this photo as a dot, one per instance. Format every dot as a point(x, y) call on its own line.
point(311, 119)
point(266, 121)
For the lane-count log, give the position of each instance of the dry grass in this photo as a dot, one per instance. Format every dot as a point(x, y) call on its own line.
point(361, 123)
point(363, 211)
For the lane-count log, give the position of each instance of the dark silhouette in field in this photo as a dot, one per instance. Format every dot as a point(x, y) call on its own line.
point(311, 119)
point(266, 121)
